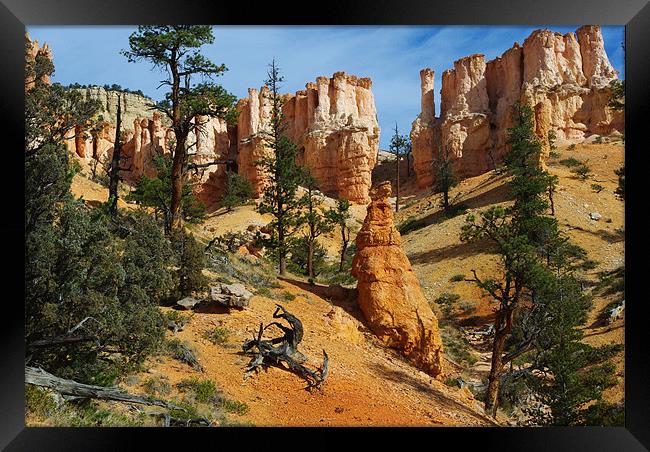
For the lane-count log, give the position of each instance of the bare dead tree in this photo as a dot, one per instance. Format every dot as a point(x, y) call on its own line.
point(284, 349)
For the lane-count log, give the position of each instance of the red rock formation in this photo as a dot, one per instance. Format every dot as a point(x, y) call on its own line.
point(424, 134)
point(333, 122)
point(32, 50)
point(389, 294)
point(565, 78)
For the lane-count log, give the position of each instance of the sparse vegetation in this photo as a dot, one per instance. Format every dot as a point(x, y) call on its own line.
point(582, 171)
point(218, 335)
point(597, 188)
point(158, 385)
point(458, 277)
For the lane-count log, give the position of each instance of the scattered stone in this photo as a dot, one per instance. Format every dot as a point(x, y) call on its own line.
point(231, 295)
point(616, 312)
point(595, 216)
point(187, 303)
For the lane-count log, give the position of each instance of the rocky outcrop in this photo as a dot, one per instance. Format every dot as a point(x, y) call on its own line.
point(32, 50)
point(334, 124)
point(389, 294)
point(564, 78)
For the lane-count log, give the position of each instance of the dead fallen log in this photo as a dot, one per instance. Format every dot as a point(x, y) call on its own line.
point(39, 377)
point(284, 349)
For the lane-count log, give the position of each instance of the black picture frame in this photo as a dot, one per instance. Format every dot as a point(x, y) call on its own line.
point(16, 14)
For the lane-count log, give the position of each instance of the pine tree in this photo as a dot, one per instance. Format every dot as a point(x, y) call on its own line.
point(157, 192)
point(399, 146)
point(284, 175)
point(445, 179)
point(340, 215)
point(537, 260)
point(114, 171)
point(174, 49)
point(313, 218)
point(91, 284)
point(238, 191)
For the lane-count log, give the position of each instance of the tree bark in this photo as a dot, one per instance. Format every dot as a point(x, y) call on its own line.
point(39, 377)
point(115, 162)
point(502, 327)
point(177, 186)
point(310, 259)
point(397, 185)
point(344, 248)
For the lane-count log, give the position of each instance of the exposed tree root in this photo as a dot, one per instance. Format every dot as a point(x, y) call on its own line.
point(284, 349)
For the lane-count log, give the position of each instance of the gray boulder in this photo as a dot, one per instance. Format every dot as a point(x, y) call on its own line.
point(187, 303)
point(231, 295)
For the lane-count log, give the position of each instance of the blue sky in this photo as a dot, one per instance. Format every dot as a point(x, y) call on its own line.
point(391, 56)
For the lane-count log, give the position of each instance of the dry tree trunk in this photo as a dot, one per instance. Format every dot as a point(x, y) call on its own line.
point(38, 377)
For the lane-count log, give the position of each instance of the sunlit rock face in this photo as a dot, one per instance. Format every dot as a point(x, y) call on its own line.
point(564, 78)
point(333, 122)
point(389, 293)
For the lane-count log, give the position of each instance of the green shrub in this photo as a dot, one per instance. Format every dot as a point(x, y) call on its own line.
point(409, 225)
point(234, 406)
point(598, 140)
point(597, 188)
point(39, 401)
point(456, 346)
point(570, 162)
point(447, 298)
point(571, 147)
point(191, 262)
point(204, 391)
point(288, 296)
point(182, 351)
point(218, 335)
point(582, 171)
point(457, 278)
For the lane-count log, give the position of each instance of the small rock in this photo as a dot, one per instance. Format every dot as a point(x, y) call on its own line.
point(187, 302)
point(595, 216)
point(231, 295)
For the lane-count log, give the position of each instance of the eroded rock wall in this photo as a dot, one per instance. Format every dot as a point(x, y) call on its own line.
point(334, 124)
point(389, 293)
point(564, 78)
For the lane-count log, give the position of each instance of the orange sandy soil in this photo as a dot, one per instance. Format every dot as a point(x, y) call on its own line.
point(367, 384)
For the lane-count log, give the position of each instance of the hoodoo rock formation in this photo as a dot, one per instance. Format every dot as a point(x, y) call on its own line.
point(389, 293)
point(334, 124)
point(565, 78)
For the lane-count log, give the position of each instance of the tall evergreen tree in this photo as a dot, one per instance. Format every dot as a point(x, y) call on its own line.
point(399, 146)
point(284, 175)
point(114, 171)
point(339, 216)
point(445, 179)
point(90, 295)
point(313, 218)
point(174, 49)
point(540, 303)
